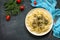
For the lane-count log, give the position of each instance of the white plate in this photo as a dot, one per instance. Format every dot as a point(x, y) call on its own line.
point(34, 33)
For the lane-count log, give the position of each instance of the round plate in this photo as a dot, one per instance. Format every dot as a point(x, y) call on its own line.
point(28, 28)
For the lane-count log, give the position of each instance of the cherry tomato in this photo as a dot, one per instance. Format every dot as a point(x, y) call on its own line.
point(18, 1)
point(8, 17)
point(22, 7)
point(35, 2)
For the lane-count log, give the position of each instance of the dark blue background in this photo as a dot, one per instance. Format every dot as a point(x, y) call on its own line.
point(15, 29)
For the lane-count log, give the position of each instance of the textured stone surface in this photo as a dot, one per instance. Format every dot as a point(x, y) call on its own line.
point(15, 29)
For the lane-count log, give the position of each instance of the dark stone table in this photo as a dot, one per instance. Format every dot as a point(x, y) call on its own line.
point(15, 29)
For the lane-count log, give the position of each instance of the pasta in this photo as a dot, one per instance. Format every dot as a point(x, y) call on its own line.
point(38, 20)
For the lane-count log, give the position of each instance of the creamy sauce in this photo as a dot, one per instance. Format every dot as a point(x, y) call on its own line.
point(38, 20)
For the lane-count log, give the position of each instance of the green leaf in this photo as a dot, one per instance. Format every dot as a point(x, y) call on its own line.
point(8, 13)
point(14, 12)
point(5, 3)
point(10, 7)
point(11, 2)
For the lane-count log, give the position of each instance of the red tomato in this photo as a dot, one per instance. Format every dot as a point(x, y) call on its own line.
point(35, 2)
point(7, 17)
point(18, 1)
point(22, 7)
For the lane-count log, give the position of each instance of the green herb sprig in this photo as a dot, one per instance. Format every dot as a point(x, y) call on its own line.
point(11, 7)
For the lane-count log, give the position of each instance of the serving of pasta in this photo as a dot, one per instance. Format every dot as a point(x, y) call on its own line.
point(39, 21)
